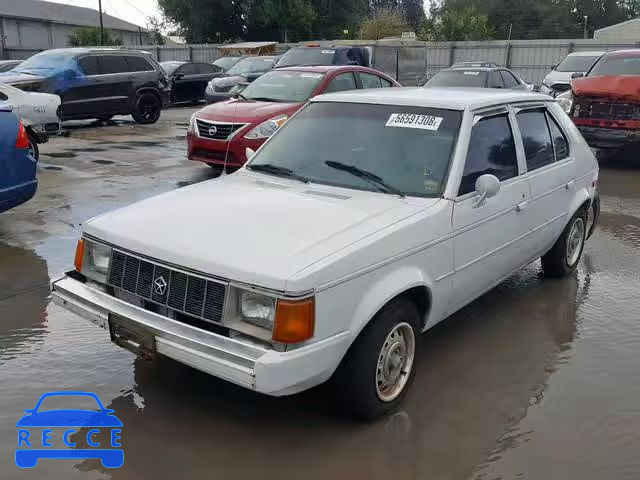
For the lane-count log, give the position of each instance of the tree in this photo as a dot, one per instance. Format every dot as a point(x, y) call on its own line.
point(457, 24)
point(414, 13)
point(385, 22)
point(90, 37)
point(156, 25)
point(281, 20)
point(202, 20)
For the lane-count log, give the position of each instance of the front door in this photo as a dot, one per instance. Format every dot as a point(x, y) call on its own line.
point(78, 94)
point(488, 236)
point(184, 81)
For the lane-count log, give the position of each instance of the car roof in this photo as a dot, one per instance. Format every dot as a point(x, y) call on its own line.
point(473, 69)
point(629, 52)
point(327, 68)
point(586, 54)
point(253, 57)
point(447, 98)
point(106, 50)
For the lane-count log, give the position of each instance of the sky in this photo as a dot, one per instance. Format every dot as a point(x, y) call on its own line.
point(134, 11)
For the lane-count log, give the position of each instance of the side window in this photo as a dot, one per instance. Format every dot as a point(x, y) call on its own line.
point(370, 81)
point(112, 64)
point(509, 80)
point(138, 64)
point(560, 143)
point(491, 151)
point(3, 97)
point(187, 69)
point(536, 138)
point(205, 68)
point(385, 83)
point(495, 81)
point(89, 65)
point(343, 82)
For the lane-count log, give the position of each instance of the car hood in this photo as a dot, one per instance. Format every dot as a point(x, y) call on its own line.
point(554, 77)
point(249, 227)
point(622, 87)
point(12, 78)
point(69, 418)
point(246, 112)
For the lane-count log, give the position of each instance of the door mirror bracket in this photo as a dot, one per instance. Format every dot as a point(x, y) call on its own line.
point(487, 186)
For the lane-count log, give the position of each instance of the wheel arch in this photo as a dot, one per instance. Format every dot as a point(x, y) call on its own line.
point(581, 200)
point(151, 90)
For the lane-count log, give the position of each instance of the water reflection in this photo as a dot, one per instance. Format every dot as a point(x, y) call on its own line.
point(480, 373)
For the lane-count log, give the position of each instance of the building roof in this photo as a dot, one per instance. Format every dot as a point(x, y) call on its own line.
point(448, 98)
point(610, 27)
point(41, 11)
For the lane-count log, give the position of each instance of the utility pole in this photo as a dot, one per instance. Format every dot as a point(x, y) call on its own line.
point(510, 29)
point(101, 25)
point(586, 17)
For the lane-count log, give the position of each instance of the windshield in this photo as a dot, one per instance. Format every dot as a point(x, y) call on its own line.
point(617, 64)
point(576, 63)
point(251, 65)
point(226, 63)
point(408, 148)
point(458, 78)
point(50, 62)
point(283, 86)
point(170, 67)
point(307, 56)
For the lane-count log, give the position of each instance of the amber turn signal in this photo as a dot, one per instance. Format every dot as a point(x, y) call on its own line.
point(295, 320)
point(79, 255)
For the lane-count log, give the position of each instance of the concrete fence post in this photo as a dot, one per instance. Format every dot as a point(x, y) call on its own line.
point(158, 54)
point(191, 53)
point(507, 55)
point(452, 54)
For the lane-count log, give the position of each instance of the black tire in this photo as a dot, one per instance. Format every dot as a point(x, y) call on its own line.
point(147, 108)
point(217, 169)
point(33, 147)
point(356, 381)
point(559, 261)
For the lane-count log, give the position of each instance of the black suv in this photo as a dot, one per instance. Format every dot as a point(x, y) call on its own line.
point(96, 82)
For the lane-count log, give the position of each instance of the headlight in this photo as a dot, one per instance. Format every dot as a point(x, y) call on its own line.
point(93, 260)
point(257, 309)
point(192, 124)
point(565, 100)
point(267, 128)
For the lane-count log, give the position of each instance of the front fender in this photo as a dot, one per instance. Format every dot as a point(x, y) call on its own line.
point(387, 287)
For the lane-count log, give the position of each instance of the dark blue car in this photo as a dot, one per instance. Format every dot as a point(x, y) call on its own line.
point(36, 438)
point(17, 167)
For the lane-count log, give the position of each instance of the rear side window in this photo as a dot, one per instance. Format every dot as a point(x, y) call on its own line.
point(345, 81)
point(138, 64)
point(89, 65)
point(204, 68)
point(509, 80)
point(3, 96)
point(560, 143)
point(112, 64)
point(536, 138)
point(370, 81)
point(491, 151)
point(495, 81)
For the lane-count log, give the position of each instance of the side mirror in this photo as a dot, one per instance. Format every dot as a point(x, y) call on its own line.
point(178, 76)
point(577, 75)
point(250, 153)
point(487, 186)
point(69, 74)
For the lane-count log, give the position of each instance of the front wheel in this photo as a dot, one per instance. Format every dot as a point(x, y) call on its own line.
point(147, 108)
point(564, 256)
point(376, 373)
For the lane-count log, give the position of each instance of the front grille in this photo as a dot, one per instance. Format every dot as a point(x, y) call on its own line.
point(213, 155)
point(217, 131)
point(598, 109)
point(179, 291)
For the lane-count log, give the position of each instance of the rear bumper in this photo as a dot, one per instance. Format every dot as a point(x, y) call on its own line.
point(600, 137)
point(17, 195)
point(241, 362)
point(214, 152)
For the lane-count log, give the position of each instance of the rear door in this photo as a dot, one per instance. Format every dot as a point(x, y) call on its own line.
point(115, 84)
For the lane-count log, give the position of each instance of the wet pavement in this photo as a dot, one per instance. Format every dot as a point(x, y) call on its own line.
point(539, 379)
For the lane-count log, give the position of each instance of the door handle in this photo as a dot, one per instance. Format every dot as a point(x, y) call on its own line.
point(521, 206)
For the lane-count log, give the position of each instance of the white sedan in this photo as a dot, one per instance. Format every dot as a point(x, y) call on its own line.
point(40, 113)
point(364, 221)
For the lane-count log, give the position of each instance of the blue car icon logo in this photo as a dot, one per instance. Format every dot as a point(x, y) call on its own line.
point(36, 439)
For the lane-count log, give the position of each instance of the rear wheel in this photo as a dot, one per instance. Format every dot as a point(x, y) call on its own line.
point(34, 150)
point(564, 256)
point(376, 373)
point(147, 108)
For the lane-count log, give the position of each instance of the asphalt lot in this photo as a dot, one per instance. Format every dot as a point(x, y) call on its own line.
point(538, 379)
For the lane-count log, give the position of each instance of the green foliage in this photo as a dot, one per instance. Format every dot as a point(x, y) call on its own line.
point(293, 19)
point(457, 24)
point(385, 22)
point(90, 37)
point(155, 26)
point(201, 20)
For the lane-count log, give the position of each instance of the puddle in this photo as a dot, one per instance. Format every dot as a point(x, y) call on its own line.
point(65, 154)
point(52, 168)
point(103, 162)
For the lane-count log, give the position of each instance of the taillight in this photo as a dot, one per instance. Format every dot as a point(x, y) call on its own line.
point(23, 140)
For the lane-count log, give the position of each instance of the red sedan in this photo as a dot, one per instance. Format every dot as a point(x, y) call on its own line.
point(226, 129)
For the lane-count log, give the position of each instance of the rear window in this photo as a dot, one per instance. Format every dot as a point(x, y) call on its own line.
point(407, 147)
point(138, 64)
point(458, 78)
point(112, 64)
point(307, 56)
point(617, 64)
point(574, 63)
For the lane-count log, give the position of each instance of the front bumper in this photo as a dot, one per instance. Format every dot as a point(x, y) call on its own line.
point(241, 362)
point(609, 138)
point(214, 152)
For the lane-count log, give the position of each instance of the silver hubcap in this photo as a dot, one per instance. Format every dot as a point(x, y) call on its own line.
point(575, 241)
point(395, 362)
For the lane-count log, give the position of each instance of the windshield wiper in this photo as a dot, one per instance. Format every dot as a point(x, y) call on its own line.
point(278, 171)
point(240, 95)
point(266, 99)
point(372, 178)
